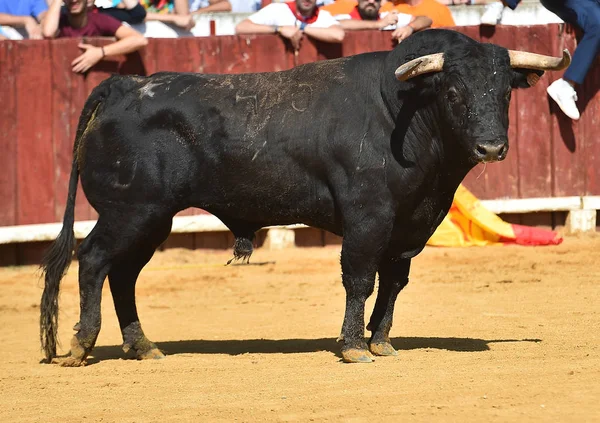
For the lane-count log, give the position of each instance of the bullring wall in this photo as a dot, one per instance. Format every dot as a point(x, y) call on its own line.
point(42, 99)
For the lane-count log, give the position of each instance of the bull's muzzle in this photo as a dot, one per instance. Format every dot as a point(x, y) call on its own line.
point(491, 152)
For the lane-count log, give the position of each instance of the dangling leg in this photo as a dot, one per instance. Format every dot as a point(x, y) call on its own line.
point(122, 279)
point(393, 276)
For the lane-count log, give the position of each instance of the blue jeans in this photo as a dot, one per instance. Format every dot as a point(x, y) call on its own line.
point(585, 14)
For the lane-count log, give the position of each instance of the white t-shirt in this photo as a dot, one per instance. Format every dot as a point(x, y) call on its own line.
point(281, 15)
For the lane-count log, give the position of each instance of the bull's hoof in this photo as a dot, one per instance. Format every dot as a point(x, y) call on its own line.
point(382, 349)
point(76, 358)
point(356, 355)
point(69, 362)
point(152, 354)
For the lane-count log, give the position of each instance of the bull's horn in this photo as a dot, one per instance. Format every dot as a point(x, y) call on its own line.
point(525, 60)
point(420, 65)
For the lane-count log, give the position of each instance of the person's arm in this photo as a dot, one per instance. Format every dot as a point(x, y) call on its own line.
point(333, 34)
point(248, 27)
point(183, 21)
point(51, 20)
point(215, 6)
point(417, 23)
point(421, 22)
point(128, 41)
point(181, 7)
point(356, 24)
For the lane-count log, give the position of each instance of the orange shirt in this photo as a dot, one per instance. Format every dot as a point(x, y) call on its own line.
point(340, 7)
point(439, 13)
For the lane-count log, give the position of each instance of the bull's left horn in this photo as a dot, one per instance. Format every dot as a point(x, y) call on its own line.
point(420, 65)
point(525, 60)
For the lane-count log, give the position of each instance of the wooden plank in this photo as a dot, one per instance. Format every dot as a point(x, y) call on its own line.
point(308, 52)
point(568, 143)
point(589, 106)
point(235, 55)
point(211, 50)
point(534, 145)
point(190, 48)
point(166, 55)
point(269, 54)
point(35, 163)
point(8, 129)
point(73, 97)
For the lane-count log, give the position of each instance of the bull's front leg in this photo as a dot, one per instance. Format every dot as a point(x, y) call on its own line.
point(361, 252)
point(393, 276)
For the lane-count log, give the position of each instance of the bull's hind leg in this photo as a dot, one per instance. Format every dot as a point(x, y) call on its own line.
point(116, 236)
point(122, 279)
point(94, 263)
point(393, 276)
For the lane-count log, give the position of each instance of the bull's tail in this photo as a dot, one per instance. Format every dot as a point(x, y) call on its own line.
point(58, 257)
point(55, 264)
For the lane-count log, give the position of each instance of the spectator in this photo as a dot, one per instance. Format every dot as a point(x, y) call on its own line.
point(77, 22)
point(130, 11)
point(291, 20)
point(365, 15)
point(175, 12)
point(584, 14)
point(439, 13)
point(25, 14)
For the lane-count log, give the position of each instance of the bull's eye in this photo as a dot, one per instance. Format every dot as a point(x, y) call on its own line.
point(452, 96)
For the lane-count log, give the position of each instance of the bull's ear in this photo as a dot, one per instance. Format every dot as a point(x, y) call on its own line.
point(525, 78)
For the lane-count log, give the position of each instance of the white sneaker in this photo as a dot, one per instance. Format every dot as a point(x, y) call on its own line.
point(492, 14)
point(565, 96)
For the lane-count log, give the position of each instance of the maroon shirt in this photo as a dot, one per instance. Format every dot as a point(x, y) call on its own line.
point(98, 24)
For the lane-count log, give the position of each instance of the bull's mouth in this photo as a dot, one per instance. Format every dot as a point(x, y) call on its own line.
point(490, 152)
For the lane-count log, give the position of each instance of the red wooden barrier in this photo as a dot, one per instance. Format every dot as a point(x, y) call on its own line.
point(42, 99)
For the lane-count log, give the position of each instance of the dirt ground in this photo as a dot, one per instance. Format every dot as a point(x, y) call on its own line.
point(493, 333)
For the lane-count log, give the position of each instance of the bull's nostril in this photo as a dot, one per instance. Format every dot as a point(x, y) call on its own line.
point(502, 151)
point(482, 150)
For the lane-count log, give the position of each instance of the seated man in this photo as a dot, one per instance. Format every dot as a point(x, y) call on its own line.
point(291, 20)
point(25, 14)
point(77, 22)
point(365, 15)
point(439, 13)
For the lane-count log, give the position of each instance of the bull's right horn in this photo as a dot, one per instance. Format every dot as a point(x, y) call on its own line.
point(420, 65)
point(525, 60)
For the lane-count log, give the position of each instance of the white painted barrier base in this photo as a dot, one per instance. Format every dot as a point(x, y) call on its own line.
point(581, 218)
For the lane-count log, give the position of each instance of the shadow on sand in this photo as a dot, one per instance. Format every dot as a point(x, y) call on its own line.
point(294, 346)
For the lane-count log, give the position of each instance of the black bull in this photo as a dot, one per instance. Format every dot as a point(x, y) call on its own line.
point(370, 147)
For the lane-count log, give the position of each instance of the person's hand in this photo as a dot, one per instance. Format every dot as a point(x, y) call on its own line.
point(293, 34)
point(389, 19)
point(89, 58)
point(33, 28)
point(402, 33)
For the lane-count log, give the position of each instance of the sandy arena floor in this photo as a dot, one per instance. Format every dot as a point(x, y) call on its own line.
point(484, 334)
